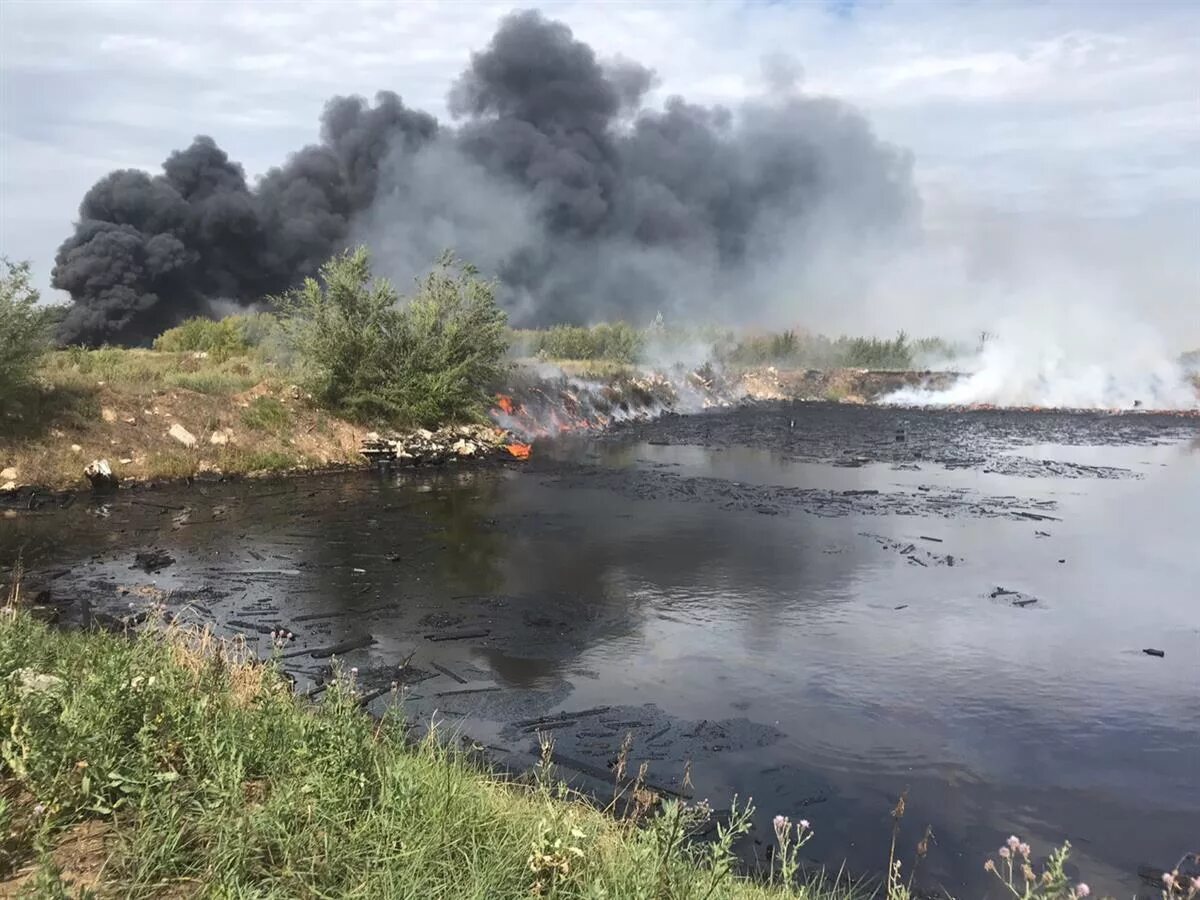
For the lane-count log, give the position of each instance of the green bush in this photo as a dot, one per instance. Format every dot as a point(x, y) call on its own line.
point(366, 356)
point(873, 353)
point(618, 342)
point(24, 330)
point(219, 339)
point(820, 352)
point(266, 414)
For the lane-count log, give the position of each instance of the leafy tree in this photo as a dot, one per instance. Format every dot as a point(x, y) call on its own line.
point(24, 329)
point(366, 355)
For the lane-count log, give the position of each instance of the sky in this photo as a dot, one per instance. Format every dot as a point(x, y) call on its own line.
point(1076, 124)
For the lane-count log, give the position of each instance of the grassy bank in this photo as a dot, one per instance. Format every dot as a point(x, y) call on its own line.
point(244, 413)
point(169, 765)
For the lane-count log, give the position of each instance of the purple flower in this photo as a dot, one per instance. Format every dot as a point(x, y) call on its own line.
point(1024, 849)
point(1082, 890)
point(1013, 842)
point(1005, 853)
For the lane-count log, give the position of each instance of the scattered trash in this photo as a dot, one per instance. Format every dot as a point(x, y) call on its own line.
point(425, 447)
point(99, 472)
point(1153, 651)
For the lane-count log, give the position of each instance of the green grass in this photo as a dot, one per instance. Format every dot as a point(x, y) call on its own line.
point(266, 414)
point(79, 369)
point(214, 779)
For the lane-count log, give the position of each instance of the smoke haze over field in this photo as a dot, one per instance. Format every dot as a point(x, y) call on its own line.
point(552, 178)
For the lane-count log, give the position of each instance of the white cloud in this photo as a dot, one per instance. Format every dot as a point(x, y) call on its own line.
point(1011, 107)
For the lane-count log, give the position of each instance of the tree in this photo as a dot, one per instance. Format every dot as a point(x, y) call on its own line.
point(24, 329)
point(366, 355)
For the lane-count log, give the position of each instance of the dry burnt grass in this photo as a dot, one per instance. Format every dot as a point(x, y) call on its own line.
point(120, 405)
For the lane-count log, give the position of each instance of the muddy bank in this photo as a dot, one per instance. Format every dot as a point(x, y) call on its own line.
point(788, 598)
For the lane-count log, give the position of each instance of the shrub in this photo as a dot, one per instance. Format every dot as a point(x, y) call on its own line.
point(24, 329)
point(873, 353)
point(219, 339)
point(266, 414)
point(367, 357)
point(618, 342)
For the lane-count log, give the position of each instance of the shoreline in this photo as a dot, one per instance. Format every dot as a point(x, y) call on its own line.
point(271, 429)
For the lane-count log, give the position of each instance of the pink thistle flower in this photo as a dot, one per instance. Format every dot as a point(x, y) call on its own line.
point(1168, 880)
point(1024, 849)
point(1005, 853)
point(804, 825)
point(1082, 890)
point(1013, 842)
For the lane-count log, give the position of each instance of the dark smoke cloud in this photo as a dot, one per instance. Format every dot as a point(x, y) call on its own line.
point(554, 178)
point(150, 251)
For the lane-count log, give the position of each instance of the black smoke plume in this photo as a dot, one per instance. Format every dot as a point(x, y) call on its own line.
point(552, 178)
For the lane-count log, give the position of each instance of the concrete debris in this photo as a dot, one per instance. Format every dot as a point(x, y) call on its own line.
point(100, 474)
point(182, 435)
point(8, 474)
point(8, 487)
point(425, 447)
point(220, 438)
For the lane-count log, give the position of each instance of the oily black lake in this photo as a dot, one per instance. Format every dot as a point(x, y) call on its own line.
point(817, 606)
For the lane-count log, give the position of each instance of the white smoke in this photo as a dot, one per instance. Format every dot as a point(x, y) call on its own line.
point(1067, 355)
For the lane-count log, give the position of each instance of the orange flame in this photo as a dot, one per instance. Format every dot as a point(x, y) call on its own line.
point(505, 403)
point(519, 451)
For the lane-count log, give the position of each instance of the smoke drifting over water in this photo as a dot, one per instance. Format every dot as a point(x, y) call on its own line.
point(553, 178)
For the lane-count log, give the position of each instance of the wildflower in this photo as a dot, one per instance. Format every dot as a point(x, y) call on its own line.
point(1005, 853)
point(39, 809)
point(354, 672)
point(1013, 842)
point(782, 825)
point(1168, 880)
point(1024, 849)
point(1082, 890)
point(804, 824)
point(1027, 871)
point(989, 866)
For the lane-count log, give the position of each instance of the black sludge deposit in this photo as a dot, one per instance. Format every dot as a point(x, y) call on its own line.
point(997, 613)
